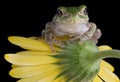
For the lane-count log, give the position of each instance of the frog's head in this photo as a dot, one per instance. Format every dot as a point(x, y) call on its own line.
point(71, 15)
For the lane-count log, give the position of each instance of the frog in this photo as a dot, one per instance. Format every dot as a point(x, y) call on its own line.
point(70, 24)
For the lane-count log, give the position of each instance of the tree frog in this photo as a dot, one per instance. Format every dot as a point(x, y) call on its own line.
point(69, 24)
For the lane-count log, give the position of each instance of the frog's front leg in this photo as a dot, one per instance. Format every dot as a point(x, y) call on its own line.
point(93, 34)
point(49, 36)
point(85, 36)
point(88, 35)
point(92, 28)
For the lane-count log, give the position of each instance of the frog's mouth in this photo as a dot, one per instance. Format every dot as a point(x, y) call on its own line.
point(62, 29)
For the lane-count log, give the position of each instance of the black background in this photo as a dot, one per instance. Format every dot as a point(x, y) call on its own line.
point(29, 18)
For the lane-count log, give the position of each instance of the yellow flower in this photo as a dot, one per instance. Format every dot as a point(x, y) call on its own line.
point(38, 64)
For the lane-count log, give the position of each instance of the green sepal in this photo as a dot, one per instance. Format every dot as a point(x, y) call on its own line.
point(81, 62)
point(77, 63)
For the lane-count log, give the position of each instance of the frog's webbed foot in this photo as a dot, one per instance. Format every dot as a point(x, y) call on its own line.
point(75, 38)
point(48, 42)
point(58, 43)
point(52, 47)
point(54, 42)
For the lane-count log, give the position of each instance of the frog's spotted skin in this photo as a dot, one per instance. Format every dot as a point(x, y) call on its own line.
point(69, 24)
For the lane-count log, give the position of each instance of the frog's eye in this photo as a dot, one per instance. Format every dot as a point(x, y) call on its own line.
point(59, 12)
point(86, 11)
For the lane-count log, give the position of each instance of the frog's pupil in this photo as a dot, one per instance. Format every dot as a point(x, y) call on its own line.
point(59, 12)
point(86, 11)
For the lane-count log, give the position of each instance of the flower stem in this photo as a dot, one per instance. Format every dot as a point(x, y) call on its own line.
point(107, 54)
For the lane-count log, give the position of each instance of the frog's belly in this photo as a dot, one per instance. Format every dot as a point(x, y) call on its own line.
point(70, 29)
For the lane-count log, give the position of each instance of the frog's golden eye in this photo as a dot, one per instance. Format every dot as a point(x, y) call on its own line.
point(59, 12)
point(86, 11)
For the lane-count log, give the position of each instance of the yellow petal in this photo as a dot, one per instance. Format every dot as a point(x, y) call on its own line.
point(104, 47)
point(35, 53)
point(15, 66)
point(97, 79)
point(107, 65)
point(30, 79)
point(29, 43)
point(29, 60)
point(60, 79)
point(28, 71)
point(107, 75)
point(50, 76)
point(45, 77)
